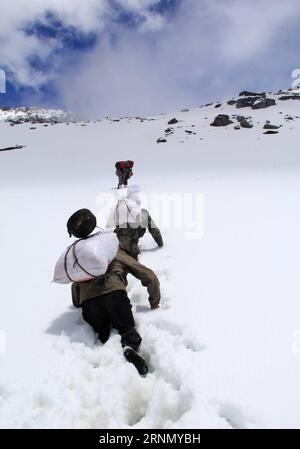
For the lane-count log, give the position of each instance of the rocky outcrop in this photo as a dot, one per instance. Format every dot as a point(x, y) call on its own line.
point(268, 125)
point(18, 116)
point(289, 97)
point(221, 120)
point(255, 102)
point(244, 122)
point(265, 103)
point(173, 121)
point(246, 93)
point(169, 131)
point(245, 102)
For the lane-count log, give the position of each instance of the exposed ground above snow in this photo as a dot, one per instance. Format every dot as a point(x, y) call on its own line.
point(222, 348)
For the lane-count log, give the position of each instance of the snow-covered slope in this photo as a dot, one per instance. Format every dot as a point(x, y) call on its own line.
point(224, 346)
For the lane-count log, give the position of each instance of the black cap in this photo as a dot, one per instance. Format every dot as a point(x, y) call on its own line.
point(81, 223)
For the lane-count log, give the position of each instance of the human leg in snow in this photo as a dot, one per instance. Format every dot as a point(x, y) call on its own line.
point(121, 176)
point(119, 310)
point(131, 338)
point(94, 312)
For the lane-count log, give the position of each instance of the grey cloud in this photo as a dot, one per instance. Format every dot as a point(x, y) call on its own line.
point(210, 49)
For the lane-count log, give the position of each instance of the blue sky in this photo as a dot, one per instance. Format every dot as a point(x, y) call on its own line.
point(71, 42)
point(103, 57)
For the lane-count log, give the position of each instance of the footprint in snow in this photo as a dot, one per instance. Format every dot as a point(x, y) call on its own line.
point(235, 416)
point(182, 335)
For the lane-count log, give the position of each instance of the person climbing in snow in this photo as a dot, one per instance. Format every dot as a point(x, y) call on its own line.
point(124, 172)
point(130, 222)
point(104, 300)
point(129, 236)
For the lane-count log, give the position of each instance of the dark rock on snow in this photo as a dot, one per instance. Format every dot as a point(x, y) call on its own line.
point(221, 120)
point(161, 140)
point(246, 93)
point(16, 147)
point(244, 122)
point(268, 125)
point(265, 103)
point(255, 102)
point(245, 102)
point(172, 121)
point(289, 97)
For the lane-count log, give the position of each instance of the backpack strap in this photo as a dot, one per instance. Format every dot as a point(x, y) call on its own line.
point(65, 264)
point(77, 262)
point(73, 247)
point(118, 207)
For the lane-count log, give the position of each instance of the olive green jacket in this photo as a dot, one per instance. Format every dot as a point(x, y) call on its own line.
point(116, 279)
point(130, 234)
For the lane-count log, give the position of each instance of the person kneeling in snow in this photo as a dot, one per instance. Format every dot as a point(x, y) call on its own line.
point(104, 300)
point(124, 172)
point(130, 221)
point(129, 236)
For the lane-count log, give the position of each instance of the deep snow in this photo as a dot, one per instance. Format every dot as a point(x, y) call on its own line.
point(222, 348)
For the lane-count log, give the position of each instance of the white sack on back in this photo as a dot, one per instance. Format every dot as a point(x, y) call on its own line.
point(94, 254)
point(127, 209)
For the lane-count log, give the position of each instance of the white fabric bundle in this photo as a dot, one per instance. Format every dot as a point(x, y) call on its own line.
point(127, 209)
point(92, 257)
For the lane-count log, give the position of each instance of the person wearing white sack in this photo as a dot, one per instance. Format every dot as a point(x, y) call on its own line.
point(101, 282)
point(130, 221)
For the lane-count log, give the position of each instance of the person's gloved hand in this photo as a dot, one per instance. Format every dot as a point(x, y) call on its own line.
point(154, 306)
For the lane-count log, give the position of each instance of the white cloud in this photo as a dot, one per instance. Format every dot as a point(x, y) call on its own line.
point(210, 48)
point(85, 16)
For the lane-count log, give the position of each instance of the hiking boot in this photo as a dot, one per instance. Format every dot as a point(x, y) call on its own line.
point(133, 357)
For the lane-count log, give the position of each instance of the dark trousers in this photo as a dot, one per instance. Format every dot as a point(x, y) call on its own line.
point(122, 181)
point(123, 175)
point(112, 310)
